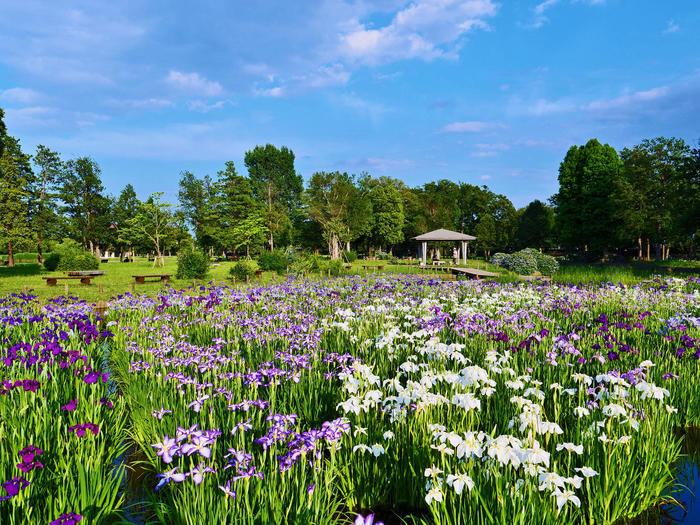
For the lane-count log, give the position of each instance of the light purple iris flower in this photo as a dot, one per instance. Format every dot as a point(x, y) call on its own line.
point(369, 520)
point(198, 472)
point(167, 449)
point(171, 475)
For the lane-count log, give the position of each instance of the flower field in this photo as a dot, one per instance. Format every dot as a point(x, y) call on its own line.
point(416, 400)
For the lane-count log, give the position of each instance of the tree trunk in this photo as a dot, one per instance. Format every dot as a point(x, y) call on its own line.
point(640, 252)
point(92, 248)
point(39, 253)
point(657, 251)
point(10, 254)
point(648, 250)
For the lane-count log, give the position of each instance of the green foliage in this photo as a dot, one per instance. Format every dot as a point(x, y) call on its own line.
point(526, 262)
point(275, 261)
point(498, 258)
point(535, 226)
point(335, 266)
point(72, 257)
point(51, 261)
point(242, 270)
point(192, 264)
point(585, 203)
point(276, 185)
point(350, 256)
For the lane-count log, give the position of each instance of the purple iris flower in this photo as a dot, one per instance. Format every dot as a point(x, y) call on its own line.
point(227, 489)
point(169, 476)
point(167, 449)
point(161, 412)
point(70, 406)
point(81, 428)
point(197, 473)
point(67, 518)
point(369, 520)
point(199, 444)
point(13, 487)
point(183, 433)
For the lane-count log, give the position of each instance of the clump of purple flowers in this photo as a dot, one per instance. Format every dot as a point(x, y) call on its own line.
point(13, 487)
point(28, 456)
point(67, 518)
point(81, 428)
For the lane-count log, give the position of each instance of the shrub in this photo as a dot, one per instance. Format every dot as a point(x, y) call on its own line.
point(51, 261)
point(350, 256)
point(71, 256)
point(304, 263)
point(192, 264)
point(242, 270)
point(526, 262)
point(273, 261)
point(382, 256)
point(546, 264)
point(335, 266)
point(499, 259)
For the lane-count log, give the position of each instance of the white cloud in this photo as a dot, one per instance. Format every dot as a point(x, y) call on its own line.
point(274, 92)
point(194, 83)
point(141, 103)
point(485, 177)
point(671, 27)
point(484, 153)
point(203, 107)
point(425, 29)
point(472, 126)
point(625, 100)
point(20, 95)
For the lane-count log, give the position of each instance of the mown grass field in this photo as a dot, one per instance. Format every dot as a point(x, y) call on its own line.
point(118, 279)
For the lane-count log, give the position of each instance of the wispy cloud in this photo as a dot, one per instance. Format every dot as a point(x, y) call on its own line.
point(203, 107)
point(471, 126)
point(671, 27)
point(193, 83)
point(18, 95)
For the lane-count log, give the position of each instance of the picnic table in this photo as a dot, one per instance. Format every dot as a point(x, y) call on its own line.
point(84, 279)
point(141, 279)
point(88, 273)
point(369, 267)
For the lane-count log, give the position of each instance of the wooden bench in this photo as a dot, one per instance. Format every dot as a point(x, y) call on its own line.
point(141, 279)
point(258, 274)
point(52, 281)
point(473, 273)
point(86, 273)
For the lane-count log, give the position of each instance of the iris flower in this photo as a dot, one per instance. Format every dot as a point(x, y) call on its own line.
point(227, 489)
point(167, 449)
point(171, 475)
point(67, 518)
point(368, 520)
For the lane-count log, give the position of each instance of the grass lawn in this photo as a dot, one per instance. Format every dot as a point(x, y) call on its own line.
point(118, 279)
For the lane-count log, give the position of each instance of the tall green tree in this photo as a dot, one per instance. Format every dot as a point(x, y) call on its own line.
point(337, 205)
point(15, 191)
point(485, 233)
point(81, 192)
point(535, 226)
point(125, 208)
point(198, 200)
point(386, 227)
point(152, 223)
point(49, 168)
point(275, 184)
point(233, 204)
point(585, 203)
point(653, 192)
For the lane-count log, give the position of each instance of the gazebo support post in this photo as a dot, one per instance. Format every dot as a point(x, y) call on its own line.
point(424, 249)
point(464, 252)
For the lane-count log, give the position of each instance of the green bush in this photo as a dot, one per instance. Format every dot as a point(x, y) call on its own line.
point(242, 270)
point(192, 264)
point(304, 263)
point(526, 262)
point(273, 261)
point(72, 257)
point(350, 256)
point(382, 256)
point(335, 266)
point(546, 264)
point(51, 261)
point(497, 259)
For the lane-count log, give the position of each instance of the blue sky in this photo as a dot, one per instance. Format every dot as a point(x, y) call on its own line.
point(478, 91)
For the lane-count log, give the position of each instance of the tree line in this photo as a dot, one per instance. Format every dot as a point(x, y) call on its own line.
point(641, 197)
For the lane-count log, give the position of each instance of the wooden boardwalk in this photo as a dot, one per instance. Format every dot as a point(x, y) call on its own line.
point(472, 272)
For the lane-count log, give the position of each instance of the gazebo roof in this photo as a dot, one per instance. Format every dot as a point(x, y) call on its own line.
point(444, 235)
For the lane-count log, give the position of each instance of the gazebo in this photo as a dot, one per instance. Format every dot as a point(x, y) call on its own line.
point(442, 235)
